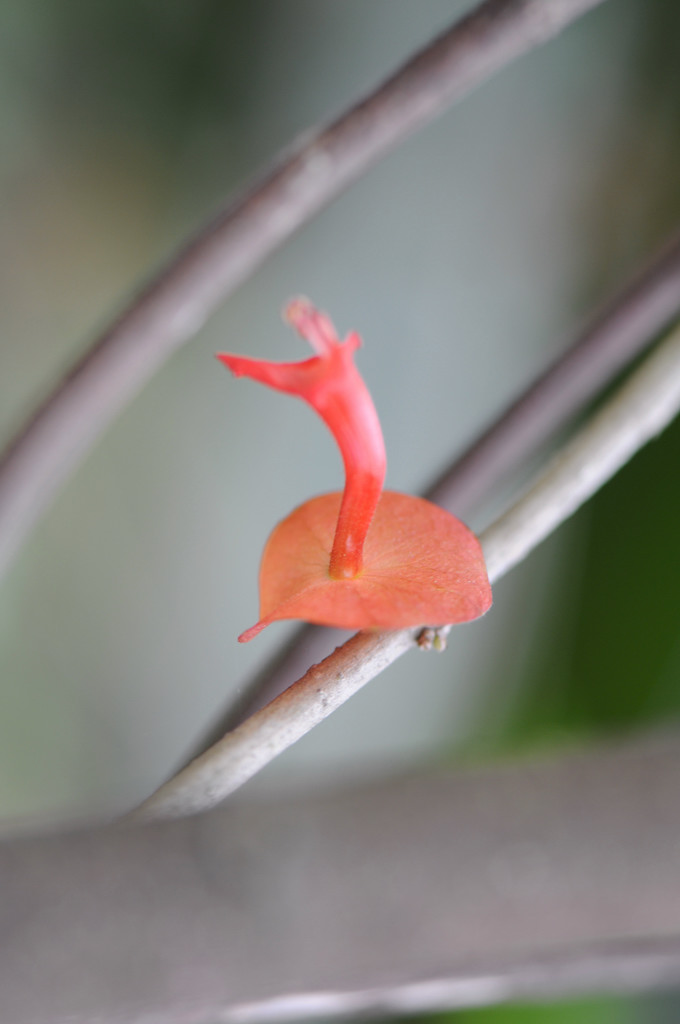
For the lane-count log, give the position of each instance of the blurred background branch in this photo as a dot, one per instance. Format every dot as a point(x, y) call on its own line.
point(517, 881)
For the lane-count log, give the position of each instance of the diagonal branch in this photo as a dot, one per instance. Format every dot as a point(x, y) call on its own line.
point(639, 410)
point(174, 305)
point(618, 332)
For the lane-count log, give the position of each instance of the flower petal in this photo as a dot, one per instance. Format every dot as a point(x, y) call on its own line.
point(422, 566)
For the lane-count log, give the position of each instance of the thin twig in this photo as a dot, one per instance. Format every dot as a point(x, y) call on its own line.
point(174, 305)
point(640, 409)
point(618, 332)
point(306, 645)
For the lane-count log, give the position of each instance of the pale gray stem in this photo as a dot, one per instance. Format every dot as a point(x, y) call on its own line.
point(638, 411)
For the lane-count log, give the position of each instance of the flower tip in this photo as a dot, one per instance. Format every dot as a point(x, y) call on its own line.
point(231, 362)
point(296, 310)
point(353, 341)
point(249, 634)
point(311, 324)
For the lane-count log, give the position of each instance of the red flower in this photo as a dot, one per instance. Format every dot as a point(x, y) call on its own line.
point(364, 558)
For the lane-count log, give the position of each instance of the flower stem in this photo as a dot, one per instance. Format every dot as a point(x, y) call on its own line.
point(344, 403)
point(332, 385)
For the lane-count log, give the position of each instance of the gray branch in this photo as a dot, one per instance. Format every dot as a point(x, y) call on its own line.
point(175, 305)
point(532, 880)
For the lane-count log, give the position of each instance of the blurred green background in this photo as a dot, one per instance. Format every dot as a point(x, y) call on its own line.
point(465, 260)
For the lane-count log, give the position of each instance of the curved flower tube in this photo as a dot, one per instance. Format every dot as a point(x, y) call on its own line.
point(332, 385)
point(364, 558)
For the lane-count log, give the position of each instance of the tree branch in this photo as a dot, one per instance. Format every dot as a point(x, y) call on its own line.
point(174, 305)
point(618, 332)
point(537, 879)
point(640, 409)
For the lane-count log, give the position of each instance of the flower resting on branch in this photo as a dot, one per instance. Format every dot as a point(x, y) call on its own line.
point(364, 558)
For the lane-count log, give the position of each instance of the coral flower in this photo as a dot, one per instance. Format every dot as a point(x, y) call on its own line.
point(364, 558)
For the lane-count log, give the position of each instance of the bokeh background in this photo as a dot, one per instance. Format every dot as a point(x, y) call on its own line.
point(465, 259)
